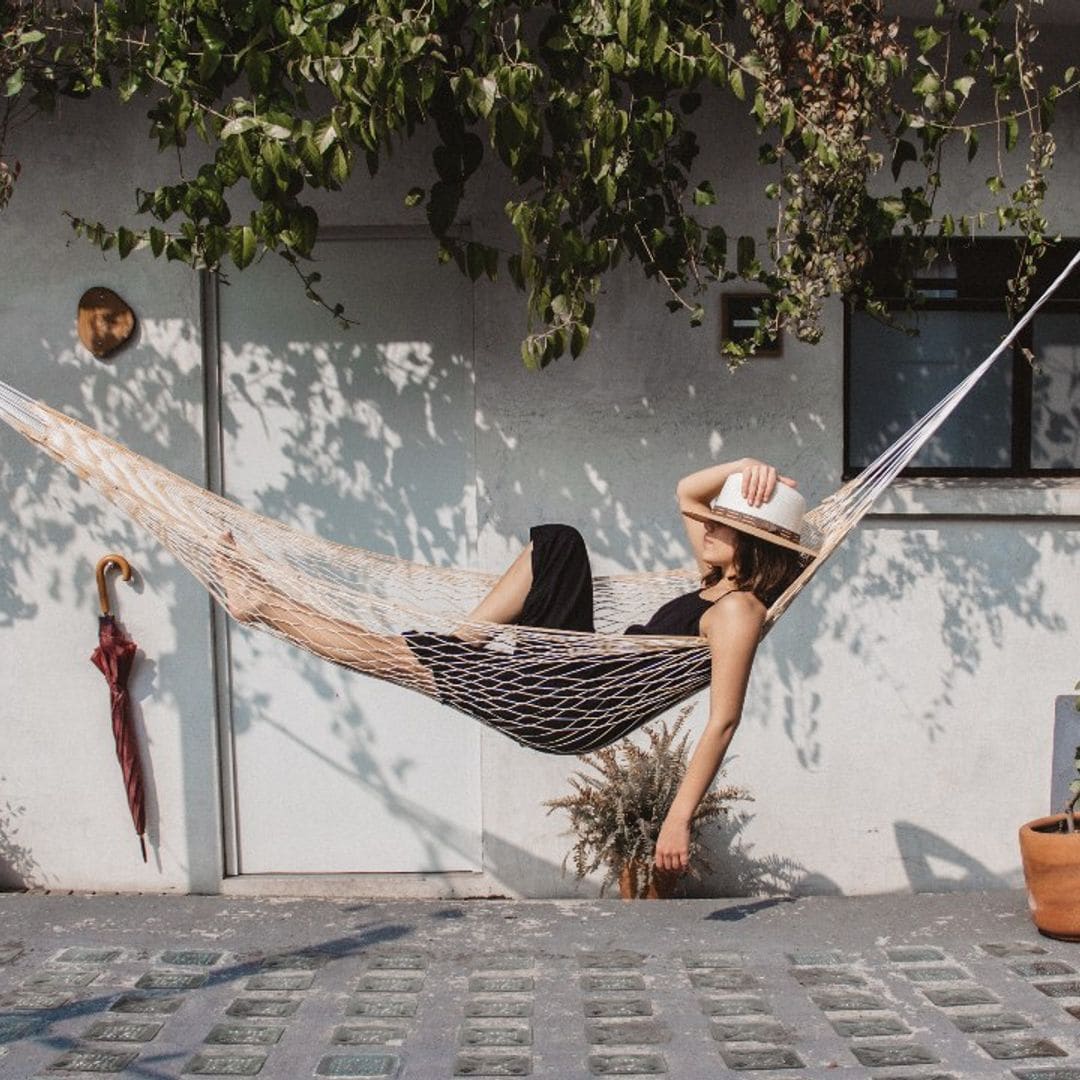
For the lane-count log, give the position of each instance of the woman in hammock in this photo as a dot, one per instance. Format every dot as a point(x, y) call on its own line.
point(743, 522)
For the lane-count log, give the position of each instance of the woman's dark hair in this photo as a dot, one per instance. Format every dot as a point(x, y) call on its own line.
point(761, 567)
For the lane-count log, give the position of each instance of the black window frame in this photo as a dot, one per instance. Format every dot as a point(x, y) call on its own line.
point(983, 266)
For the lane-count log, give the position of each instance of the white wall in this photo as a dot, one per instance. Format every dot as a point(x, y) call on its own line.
point(899, 722)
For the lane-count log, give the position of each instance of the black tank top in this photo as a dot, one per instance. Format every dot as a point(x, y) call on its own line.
point(680, 616)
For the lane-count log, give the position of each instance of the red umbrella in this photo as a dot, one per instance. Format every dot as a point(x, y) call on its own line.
point(114, 656)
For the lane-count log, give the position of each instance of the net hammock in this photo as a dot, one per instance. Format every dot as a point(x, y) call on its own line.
point(557, 691)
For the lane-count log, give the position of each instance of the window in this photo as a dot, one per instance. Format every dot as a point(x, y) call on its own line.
point(1021, 419)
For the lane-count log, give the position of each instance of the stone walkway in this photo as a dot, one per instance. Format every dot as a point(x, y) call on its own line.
point(920, 987)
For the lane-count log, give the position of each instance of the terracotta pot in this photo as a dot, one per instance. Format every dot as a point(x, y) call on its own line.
point(632, 878)
point(1052, 872)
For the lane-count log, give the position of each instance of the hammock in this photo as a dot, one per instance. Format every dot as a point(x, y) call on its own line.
point(557, 691)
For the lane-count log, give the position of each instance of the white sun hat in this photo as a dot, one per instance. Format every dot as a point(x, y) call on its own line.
point(780, 520)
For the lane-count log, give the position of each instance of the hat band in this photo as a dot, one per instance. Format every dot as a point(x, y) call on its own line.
point(760, 523)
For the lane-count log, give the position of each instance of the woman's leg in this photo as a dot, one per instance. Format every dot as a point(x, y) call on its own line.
point(507, 597)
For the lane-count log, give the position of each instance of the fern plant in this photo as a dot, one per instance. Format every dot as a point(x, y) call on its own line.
point(616, 811)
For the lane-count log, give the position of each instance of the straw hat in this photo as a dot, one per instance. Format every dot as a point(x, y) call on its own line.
point(780, 520)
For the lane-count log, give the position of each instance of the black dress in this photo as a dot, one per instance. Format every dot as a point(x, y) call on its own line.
point(569, 704)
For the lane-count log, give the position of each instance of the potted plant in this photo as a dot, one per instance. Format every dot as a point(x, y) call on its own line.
point(1050, 852)
point(617, 810)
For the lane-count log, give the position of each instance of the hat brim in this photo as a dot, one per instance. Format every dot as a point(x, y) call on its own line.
point(752, 530)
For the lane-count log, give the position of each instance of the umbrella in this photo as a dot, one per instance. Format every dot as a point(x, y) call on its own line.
point(113, 657)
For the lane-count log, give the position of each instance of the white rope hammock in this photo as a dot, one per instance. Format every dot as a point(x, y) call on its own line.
point(554, 690)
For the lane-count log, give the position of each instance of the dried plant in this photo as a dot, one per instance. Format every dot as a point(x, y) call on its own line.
point(616, 812)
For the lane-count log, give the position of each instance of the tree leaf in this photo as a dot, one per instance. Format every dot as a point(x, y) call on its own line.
point(242, 245)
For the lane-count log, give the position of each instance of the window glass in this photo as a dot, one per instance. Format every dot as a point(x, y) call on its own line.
point(1055, 392)
point(894, 378)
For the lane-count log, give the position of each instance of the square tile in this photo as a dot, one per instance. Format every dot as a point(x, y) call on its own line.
point(171, 980)
point(478, 1034)
point(1014, 948)
point(762, 1031)
point(368, 1034)
point(398, 962)
point(263, 1007)
point(614, 958)
point(506, 1008)
point(123, 1031)
point(13, 1028)
point(295, 961)
point(389, 984)
point(772, 1057)
point(10, 953)
point(356, 1065)
point(1065, 1072)
point(243, 1035)
point(914, 954)
point(1034, 968)
point(827, 976)
point(721, 979)
point(612, 1007)
point(150, 1004)
point(816, 958)
point(1068, 988)
point(281, 980)
point(950, 996)
point(501, 984)
point(942, 973)
point(388, 1007)
point(597, 983)
point(972, 1023)
point(493, 1065)
point(626, 1064)
point(866, 1027)
point(503, 962)
point(80, 955)
point(190, 957)
point(61, 980)
point(712, 960)
point(1010, 1047)
point(224, 1065)
point(875, 1056)
point(94, 1061)
point(35, 999)
point(627, 1033)
point(733, 1006)
point(846, 1000)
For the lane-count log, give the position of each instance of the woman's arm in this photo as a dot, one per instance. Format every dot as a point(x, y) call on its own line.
point(733, 628)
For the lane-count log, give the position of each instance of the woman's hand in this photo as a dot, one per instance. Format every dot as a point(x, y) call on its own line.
point(673, 846)
point(759, 481)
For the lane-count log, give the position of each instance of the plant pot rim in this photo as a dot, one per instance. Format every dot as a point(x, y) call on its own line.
point(1043, 825)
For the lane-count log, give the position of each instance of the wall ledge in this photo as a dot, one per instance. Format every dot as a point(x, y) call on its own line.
point(1052, 497)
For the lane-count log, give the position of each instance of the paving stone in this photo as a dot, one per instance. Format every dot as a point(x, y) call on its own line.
point(390, 984)
point(10, 953)
point(225, 1064)
point(395, 1007)
point(733, 1006)
point(719, 979)
point(263, 1007)
point(501, 984)
point(243, 1035)
point(94, 1061)
point(949, 996)
point(842, 1000)
point(60, 980)
point(503, 962)
point(914, 954)
point(281, 980)
point(81, 955)
point(505, 1008)
point(493, 1065)
point(944, 973)
point(171, 980)
point(368, 1035)
point(618, 1007)
point(123, 1031)
point(914, 1076)
point(151, 1004)
point(895, 1053)
point(1014, 948)
point(1069, 988)
point(355, 1065)
point(820, 958)
point(1009, 1047)
point(13, 1028)
point(827, 977)
point(996, 1021)
point(496, 1035)
point(627, 1033)
point(190, 957)
point(712, 960)
point(773, 1057)
point(616, 958)
point(626, 1064)
point(35, 999)
point(398, 962)
point(596, 983)
point(864, 1027)
point(1032, 968)
point(1064, 1073)
point(760, 1031)
point(294, 961)
point(1073, 1010)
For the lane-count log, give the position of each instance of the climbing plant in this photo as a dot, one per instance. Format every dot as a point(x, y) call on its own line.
point(593, 108)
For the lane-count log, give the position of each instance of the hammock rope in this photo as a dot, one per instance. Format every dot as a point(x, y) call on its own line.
point(553, 690)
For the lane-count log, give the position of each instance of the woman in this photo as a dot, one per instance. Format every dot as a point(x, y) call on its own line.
point(744, 531)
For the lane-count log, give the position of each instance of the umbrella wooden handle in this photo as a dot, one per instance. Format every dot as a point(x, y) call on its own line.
point(103, 565)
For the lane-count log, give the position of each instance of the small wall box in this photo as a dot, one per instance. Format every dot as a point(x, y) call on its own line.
point(738, 319)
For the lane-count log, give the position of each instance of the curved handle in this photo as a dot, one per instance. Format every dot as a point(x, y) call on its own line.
point(106, 561)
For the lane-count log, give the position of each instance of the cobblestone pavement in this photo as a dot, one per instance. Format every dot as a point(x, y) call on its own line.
point(922, 987)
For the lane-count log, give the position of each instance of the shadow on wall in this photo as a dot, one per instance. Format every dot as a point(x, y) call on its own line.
point(933, 864)
point(18, 868)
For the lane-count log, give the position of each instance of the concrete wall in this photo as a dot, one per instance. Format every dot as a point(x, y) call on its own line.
point(900, 718)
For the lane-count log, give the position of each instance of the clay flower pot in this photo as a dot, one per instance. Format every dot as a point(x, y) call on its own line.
point(1051, 858)
point(632, 883)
